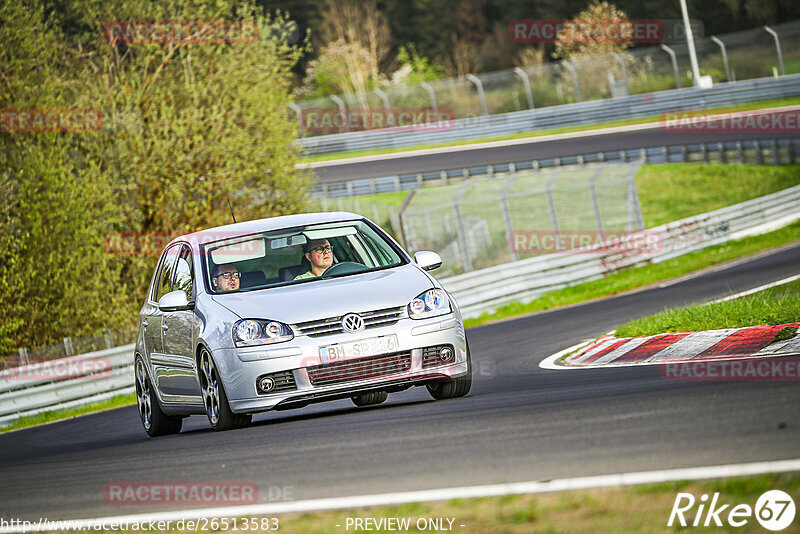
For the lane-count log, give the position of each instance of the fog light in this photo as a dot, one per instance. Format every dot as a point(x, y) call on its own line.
point(446, 354)
point(266, 384)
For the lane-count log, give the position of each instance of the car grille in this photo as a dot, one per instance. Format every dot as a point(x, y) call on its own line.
point(333, 325)
point(430, 356)
point(284, 381)
point(359, 369)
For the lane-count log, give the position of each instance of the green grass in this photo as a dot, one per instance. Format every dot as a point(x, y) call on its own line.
point(773, 306)
point(669, 192)
point(632, 509)
point(538, 133)
point(642, 276)
point(55, 415)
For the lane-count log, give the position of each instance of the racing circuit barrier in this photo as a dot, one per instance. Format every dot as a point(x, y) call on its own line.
point(65, 383)
point(79, 380)
point(580, 113)
point(486, 289)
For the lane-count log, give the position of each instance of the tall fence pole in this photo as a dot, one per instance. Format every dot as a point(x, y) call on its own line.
point(674, 60)
point(526, 81)
point(507, 215)
point(774, 35)
point(598, 220)
point(294, 107)
point(571, 68)
point(339, 102)
point(431, 94)
point(621, 62)
point(724, 58)
point(479, 84)
point(466, 257)
point(551, 205)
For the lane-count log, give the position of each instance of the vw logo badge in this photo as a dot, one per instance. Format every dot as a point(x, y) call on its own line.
point(352, 323)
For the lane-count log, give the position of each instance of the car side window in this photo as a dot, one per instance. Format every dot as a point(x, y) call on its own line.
point(184, 274)
point(167, 270)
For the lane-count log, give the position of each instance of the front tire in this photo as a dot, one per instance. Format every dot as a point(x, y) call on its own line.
point(155, 421)
point(215, 400)
point(457, 387)
point(368, 399)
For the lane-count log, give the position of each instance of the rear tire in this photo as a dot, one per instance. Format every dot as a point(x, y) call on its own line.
point(155, 421)
point(368, 399)
point(457, 387)
point(215, 400)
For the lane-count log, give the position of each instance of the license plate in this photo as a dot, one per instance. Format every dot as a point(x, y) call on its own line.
point(358, 349)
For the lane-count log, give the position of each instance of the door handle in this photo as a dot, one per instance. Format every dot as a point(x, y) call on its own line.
point(144, 324)
point(164, 327)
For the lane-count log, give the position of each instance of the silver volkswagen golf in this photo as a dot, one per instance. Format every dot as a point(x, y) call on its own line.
point(282, 312)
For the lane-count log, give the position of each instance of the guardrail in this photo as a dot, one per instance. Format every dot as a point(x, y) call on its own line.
point(64, 383)
point(580, 113)
point(757, 151)
point(485, 290)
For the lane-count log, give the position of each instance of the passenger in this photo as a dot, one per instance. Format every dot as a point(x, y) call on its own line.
point(319, 254)
point(226, 278)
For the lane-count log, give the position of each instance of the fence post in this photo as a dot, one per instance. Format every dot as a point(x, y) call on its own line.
point(759, 159)
point(575, 85)
point(724, 58)
point(375, 213)
point(431, 94)
point(507, 217)
point(774, 35)
point(551, 205)
point(723, 158)
point(776, 159)
point(400, 219)
point(674, 60)
point(68, 347)
point(385, 100)
point(462, 234)
point(294, 107)
point(109, 339)
point(477, 81)
point(598, 220)
point(526, 81)
point(23, 356)
point(621, 61)
point(339, 102)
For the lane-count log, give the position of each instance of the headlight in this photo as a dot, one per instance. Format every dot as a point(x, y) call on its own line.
point(429, 304)
point(252, 332)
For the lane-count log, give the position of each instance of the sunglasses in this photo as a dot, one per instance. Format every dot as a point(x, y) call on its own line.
point(228, 276)
point(320, 250)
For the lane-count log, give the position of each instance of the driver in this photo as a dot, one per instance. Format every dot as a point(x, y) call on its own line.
point(226, 278)
point(319, 253)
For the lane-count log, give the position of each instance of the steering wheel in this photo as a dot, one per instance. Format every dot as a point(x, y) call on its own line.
point(344, 267)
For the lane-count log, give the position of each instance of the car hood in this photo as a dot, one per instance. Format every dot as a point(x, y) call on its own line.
point(329, 298)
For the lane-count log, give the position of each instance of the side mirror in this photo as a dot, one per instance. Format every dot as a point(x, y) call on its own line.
point(175, 301)
point(427, 260)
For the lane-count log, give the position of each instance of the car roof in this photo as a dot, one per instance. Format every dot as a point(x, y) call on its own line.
point(264, 225)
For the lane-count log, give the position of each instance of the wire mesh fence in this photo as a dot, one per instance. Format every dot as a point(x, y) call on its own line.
point(481, 223)
point(730, 57)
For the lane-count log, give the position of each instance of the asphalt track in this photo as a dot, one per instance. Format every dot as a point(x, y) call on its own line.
point(519, 423)
point(537, 149)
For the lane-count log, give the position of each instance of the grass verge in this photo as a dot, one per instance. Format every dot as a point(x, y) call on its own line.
point(646, 275)
point(776, 305)
point(539, 133)
point(636, 509)
point(55, 415)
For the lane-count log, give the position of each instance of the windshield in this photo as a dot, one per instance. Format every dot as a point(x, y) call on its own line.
point(295, 256)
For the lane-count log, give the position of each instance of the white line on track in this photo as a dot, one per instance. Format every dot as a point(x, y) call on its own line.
point(523, 140)
point(467, 492)
point(757, 289)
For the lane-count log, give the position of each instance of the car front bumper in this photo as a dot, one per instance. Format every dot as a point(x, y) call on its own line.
point(241, 368)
